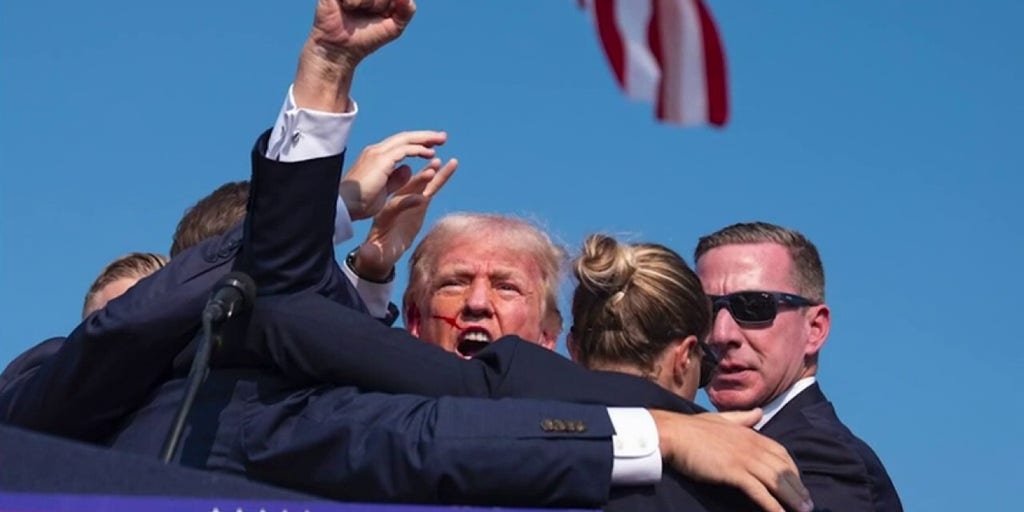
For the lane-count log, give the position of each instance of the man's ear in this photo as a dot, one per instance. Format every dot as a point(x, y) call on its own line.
point(413, 319)
point(547, 340)
point(550, 328)
point(819, 321)
point(681, 360)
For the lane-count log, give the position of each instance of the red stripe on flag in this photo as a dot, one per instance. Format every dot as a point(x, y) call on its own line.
point(654, 43)
point(611, 39)
point(714, 66)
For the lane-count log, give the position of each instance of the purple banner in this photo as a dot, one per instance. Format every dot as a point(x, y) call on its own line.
point(22, 502)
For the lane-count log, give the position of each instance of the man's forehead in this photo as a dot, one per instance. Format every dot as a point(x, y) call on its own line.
point(745, 266)
point(498, 267)
point(480, 257)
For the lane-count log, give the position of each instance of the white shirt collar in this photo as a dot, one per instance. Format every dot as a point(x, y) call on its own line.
point(772, 408)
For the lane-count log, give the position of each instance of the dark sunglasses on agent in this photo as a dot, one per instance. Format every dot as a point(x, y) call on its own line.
point(756, 308)
point(708, 364)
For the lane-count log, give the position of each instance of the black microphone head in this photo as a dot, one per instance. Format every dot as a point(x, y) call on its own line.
point(243, 283)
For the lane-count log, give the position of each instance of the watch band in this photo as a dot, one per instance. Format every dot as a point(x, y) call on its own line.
point(350, 260)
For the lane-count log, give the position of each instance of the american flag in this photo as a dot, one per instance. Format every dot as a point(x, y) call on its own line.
point(667, 52)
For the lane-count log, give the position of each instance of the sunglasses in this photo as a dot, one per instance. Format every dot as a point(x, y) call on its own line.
point(754, 308)
point(708, 364)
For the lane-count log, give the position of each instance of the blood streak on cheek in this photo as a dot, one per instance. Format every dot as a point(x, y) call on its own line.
point(450, 321)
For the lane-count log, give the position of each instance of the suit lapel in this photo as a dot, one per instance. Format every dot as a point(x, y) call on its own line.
point(806, 398)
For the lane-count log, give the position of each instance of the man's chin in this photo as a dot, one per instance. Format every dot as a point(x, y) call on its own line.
point(731, 397)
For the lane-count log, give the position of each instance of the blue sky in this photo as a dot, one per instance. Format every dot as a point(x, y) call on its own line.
point(888, 132)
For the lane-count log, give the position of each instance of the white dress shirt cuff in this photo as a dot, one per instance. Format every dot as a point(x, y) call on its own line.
point(635, 447)
point(342, 223)
point(376, 295)
point(303, 134)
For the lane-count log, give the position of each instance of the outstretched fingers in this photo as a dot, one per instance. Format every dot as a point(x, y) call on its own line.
point(428, 138)
point(443, 175)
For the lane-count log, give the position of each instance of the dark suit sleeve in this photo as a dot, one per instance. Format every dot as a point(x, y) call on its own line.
point(834, 474)
point(116, 356)
point(27, 364)
point(288, 244)
point(371, 447)
point(314, 340)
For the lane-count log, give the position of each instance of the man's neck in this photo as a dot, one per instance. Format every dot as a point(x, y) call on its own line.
point(776, 404)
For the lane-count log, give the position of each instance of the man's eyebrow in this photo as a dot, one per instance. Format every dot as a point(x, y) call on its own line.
point(456, 269)
point(509, 273)
point(502, 272)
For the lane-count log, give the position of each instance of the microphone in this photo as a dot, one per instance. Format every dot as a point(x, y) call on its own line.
point(232, 294)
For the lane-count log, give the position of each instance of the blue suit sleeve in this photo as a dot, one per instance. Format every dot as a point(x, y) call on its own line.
point(371, 447)
point(287, 244)
point(311, 339)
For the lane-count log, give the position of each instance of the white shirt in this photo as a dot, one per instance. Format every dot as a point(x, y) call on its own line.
point(772, 408)
point(303, 134)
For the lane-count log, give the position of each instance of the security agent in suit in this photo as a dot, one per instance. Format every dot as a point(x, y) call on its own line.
point(767, 284)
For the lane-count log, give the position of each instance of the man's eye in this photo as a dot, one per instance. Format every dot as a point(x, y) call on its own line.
point(509, 287)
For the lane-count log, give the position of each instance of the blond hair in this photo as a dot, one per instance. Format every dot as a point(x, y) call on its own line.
point(632, 301)
point(135, 265)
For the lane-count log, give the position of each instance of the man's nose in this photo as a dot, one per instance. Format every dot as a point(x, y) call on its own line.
point(478, 300)
point(725, 331)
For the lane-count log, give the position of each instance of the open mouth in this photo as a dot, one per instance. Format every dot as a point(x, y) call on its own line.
point(471, 342)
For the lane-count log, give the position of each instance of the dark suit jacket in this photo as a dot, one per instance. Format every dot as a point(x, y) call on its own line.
point(28, 363)
point(841, 471)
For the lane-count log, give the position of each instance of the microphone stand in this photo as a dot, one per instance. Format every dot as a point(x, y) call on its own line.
point(233, 293)
point(196, 376)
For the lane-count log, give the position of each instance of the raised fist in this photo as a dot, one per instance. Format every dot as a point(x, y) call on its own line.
point(353, 29)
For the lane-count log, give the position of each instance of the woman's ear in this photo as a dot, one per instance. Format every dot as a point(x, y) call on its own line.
point(683, 361)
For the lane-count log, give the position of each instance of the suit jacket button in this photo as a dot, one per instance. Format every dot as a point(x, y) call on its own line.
point(579, 426)
point(547, 425)
point(559, 425)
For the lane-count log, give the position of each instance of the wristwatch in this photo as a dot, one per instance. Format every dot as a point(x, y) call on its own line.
point(350, 260)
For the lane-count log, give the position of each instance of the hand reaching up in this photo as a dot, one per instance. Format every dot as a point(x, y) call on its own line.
point(378, 172)
point(396, 226)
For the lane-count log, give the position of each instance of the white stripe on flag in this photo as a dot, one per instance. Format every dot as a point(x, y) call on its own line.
point(642, 72)
point(684, 92)
point(674, 74)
